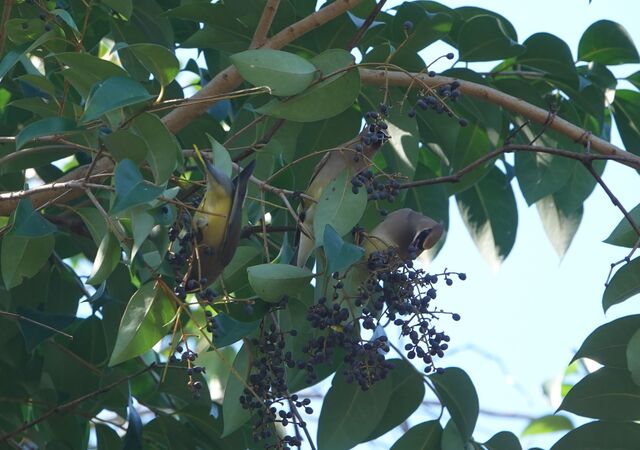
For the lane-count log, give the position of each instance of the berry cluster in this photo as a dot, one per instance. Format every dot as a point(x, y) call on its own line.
point(436, 100)
point(189, 357)
point(267, 395)
point(379, 187)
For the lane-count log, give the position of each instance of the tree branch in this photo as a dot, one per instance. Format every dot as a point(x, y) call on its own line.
point(514, 104)
point(269, 12)
point(6, 15)
point(72, 404)
point(366, 24)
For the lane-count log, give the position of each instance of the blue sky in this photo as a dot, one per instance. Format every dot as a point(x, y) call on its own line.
point(522, 324)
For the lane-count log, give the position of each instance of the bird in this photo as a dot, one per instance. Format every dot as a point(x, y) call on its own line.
point(218, 219)
point(355, 156)
point(409, 231)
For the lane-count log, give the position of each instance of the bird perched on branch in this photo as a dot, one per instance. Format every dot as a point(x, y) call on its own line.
point(217, 223)
point(405, 229)
point(354, 156)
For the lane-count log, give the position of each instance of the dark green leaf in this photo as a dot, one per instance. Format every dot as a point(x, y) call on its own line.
point(124, 7)
point(131, 189)
point(607, 344)
point(272, 282)
point(459, 396)
point(626, 111)
point(235, 274)
point(624, 284)
point(428, 27)
point(483, 38)
point(623, 234)
point(107, 438)
point(472, 143)
point(349, 414)
point(27, 222)
point(112, 94)
point(452, 439)
point(504, 440)
point(551, 55)
point(338, 206)
point(229, 331)
point(548, 424)
point(84, 70)
point(407, 392)
point(634, 79)
point(329, 97)
point(158, 60)
point(340, 254)
point(601, 436)
point(106, 260)
point(607, 394)
point(489, 211)
point(633, 357)
point(124, 144)
point(94, 222)
point(424, 436)
point(232, 411)
point(133, 437)
point(608, 43)
point(13, 56)
point(163, 151)
point(51, 126)
point(560, 225)
point(285, 73)
point(33, 330)
point(143, 323)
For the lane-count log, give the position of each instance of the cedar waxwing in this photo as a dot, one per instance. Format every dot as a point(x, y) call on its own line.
point(354, 155)
point(402, 229)
point(217, 223)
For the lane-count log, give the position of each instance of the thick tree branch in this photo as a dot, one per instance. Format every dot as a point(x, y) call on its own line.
point(514, 104)
point(269, 12)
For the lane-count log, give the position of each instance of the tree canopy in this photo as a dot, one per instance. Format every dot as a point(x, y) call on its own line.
point(121, 189)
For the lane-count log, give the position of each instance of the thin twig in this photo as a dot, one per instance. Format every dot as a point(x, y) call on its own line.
point(35, 322)
point(269, 12)
point(6, 15)
point(72, 404)
point(366, 24)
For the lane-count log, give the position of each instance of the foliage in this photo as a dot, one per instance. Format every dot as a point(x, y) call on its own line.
point(99, 306)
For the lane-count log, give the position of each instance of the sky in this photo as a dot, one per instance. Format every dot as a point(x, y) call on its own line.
point(522, 324)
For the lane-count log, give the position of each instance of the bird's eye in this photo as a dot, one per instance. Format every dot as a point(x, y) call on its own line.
point(418, 241)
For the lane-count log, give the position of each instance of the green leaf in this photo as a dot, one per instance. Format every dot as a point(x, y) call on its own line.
point(452, 439)
point(551, 55)
point(34, 334)
point(623, 234)
point(634, 79)
point(559, 224)
point(483, 38)
point(608, 43)
point(50, 126)
point(424, 436)
point(144, 322)
point(459, 396)
point(607, 394)
point(28, 222)
point(220, 156)
point(504, 440)
point(141, 223)
point(626, 111)
point(272, 282)
point(349, 414)
point(472, 143)
point(235, 274)
point(633, 357)
point(112, 94)
point(324, 99)
point(229, 331)
point(158, 60)
point(339, 207)
point(94, 222)
point(407, 392)
point(84, 70)
point(162, 146)
point(12, 57)
point(607, 344)
point(27, 246)
point(133, 436)
point(285, 73)
point(601, 436)
point(489, 211)
point(107, 438)
point(124, 7)
point(131, 188)
point(428, 27)
point(624, 284)
point(340, 254)
point(232, 411)
point(547, 424)
point(106, 260)
point(124, 144)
